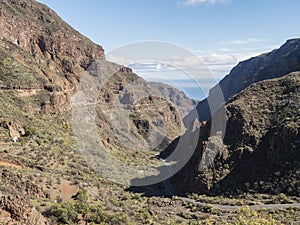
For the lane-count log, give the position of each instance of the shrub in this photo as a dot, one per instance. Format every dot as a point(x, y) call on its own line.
point(64, 212)
point(249, 217)
point(81, 196)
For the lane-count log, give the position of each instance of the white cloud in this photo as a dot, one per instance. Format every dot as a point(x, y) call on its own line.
point(207, 67)
point(196, 2)
point(183, 61)
point(175, 62)
point(202, 66)
point(224, 49)
point(219, 59)
point(119, 59)
point(150, 67)
point(220, 64)
point(244, 41)
point(171, 63)
point(247, 55)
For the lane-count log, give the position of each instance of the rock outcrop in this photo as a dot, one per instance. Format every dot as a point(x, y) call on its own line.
point(177, 97)
point(261, 149)
point(42, 58)
point(39, 31)
point(16, 208)
point(47, 54)
point(126, 103)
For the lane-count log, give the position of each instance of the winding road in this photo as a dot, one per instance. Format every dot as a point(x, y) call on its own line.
point(238, 207)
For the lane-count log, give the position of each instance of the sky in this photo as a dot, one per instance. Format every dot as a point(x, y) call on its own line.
point(220, 32)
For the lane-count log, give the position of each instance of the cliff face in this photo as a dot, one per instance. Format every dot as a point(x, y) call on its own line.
point(14, 188)
point(266, 66)
point(42, 62)
point(43, 58)
point(41, 168)
point(178, 98)
point(260, 152)
point(124, 95)
point(39, 31)
point(40, 53)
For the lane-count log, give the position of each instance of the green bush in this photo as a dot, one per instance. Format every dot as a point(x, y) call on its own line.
point(251, 217)
point(81, 196)
point(64, 212)
point(118, 219)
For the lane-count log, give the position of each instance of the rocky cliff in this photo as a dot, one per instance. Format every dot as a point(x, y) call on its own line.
point(151, 115)
point(44, 178)
point(42, 62)
point(47, 54)
point(177, 97)
point(41, 32)
point(15, 206)
point(261, 149)
point(43, 58)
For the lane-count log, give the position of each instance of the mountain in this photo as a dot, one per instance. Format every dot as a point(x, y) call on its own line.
point(260, 151)
point(48, 54)
point(177, 97)
point(274, 64)
point(42, 63)
point(43, 57)
point(46, 67)
point(126, 100)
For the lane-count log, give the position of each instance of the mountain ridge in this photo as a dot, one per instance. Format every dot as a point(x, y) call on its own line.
point(176, 96)
point(45, 178)
point(276, 63)
point(260, 142)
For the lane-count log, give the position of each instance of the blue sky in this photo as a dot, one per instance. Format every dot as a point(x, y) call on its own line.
point(220, 32)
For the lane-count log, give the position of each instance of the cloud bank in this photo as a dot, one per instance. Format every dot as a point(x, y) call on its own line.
point(197, 2)
point(244, 41)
